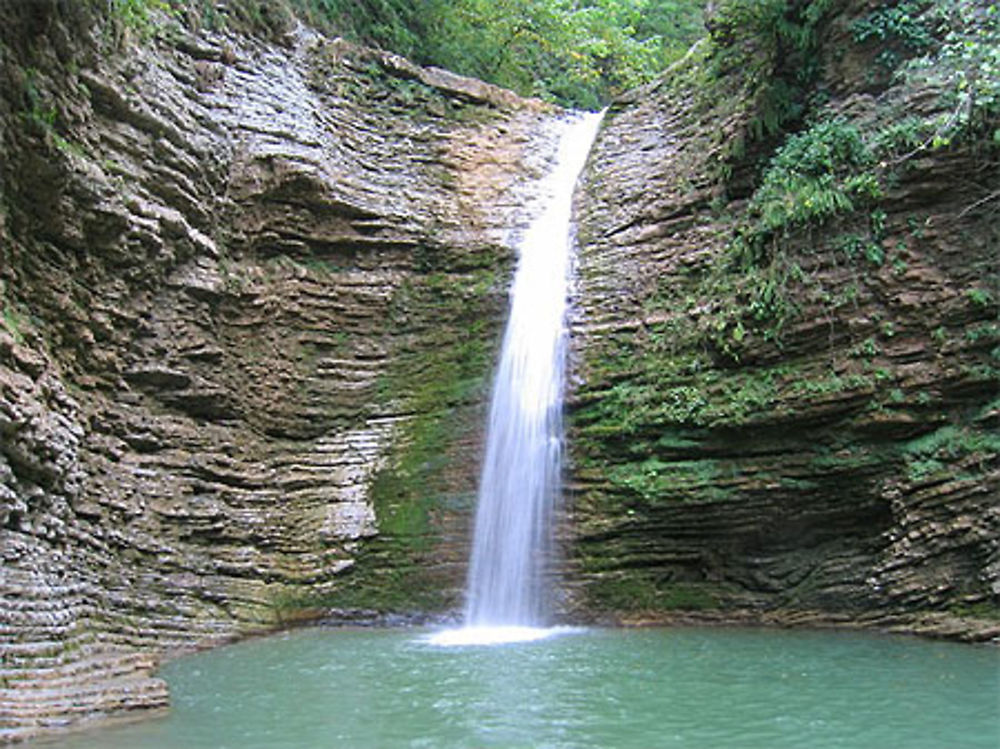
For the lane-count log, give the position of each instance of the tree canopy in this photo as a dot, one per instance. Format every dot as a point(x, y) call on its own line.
point(576, 52)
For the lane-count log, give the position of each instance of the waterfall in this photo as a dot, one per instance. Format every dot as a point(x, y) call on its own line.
point(521, 473)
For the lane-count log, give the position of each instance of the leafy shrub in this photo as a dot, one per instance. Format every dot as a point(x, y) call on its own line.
point(905, 23)
point(775, 45)
point(965, 67)
point(817, 174)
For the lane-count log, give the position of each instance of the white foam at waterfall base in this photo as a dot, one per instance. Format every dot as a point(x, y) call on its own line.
point(504, 635)
point(521, 474)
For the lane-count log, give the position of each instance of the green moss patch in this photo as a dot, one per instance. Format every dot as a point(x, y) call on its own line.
point(637, 593)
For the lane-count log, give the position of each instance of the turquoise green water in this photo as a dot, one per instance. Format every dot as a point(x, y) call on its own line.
point(693, 688)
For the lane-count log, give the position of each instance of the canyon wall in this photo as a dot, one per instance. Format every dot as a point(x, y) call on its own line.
point(252, 292)
point(794, 423)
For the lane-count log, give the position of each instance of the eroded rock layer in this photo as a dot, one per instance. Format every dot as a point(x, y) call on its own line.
point(802, 434)
point(251, 296)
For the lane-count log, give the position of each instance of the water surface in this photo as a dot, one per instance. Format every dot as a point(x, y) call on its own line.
point(693, 688)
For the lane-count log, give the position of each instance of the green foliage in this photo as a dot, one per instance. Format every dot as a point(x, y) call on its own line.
point(136, 14)
point(653, 480)
point(396, 25)
point(140, 17)
point(834, 167)
point(837, 384)
point(826, 171)
point(816, 175)
point(675, 23)
point(41, 114)
point(14, 321)
point(903, 21)
point(40, 111)
point(984, 333)
point(666, 391)
point(957, 62)
point(980, 297)
point(774, 45)
point(964, 67)
point(937, 452)
point(905, 25)
point(577, 52)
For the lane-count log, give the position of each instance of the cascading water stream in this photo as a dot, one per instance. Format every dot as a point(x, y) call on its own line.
point(521, 475)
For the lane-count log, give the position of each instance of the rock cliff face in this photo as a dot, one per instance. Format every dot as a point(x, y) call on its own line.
point(809, 437)
point(251, 297)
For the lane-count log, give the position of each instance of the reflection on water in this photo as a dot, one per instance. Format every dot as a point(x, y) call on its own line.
point(691, 688)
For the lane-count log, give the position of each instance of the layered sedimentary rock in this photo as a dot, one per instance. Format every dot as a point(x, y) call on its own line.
point(251, 295)
point(808, 439)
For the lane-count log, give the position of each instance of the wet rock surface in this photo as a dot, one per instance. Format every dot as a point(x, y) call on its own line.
point(836, 465)
point(247, 290)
